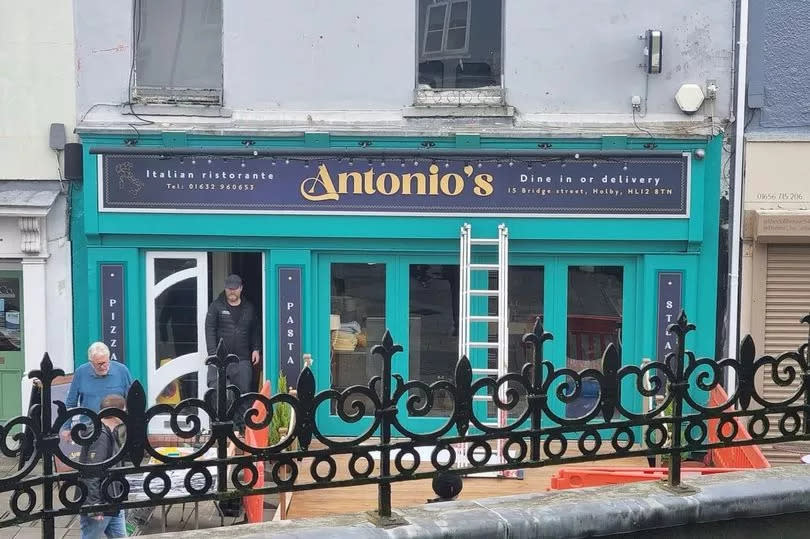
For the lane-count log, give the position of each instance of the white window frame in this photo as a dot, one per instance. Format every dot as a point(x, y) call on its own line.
point(444, 52)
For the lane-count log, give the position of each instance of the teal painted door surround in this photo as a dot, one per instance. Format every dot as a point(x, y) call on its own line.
point(641, 247)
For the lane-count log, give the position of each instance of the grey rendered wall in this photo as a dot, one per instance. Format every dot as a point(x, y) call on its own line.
point(777, 62)
point(583, 56)
point(559, 57)
point(103, 52)
point(320, 55)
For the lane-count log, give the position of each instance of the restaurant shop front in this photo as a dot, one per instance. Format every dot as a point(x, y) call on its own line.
point(338, 238)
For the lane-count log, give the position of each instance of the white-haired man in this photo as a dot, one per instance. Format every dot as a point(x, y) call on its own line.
point(95, 380)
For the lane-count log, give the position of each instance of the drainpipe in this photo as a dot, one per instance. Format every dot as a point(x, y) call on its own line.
point(736, 220)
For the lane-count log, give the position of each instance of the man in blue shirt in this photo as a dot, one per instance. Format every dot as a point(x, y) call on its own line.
point(95, 380)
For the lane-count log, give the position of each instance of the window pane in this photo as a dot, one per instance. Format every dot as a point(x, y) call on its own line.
point(525, 306)
point(434, 42)
point(169, 266)
point(455, 38)
point(10, 314)
point(184, 387)
point(179, 44)
point(468, 55)
point(433, 329)
point(357, 323)
point(594, 321)
point(436, 17)
point(176, 321)
point(458, 14)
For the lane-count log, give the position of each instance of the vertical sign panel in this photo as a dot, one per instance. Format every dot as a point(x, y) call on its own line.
point(670, 285)
point(112, 309)
point(289, 323)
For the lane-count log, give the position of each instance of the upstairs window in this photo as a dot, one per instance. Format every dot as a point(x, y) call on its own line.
point(459, 44)
point(178, 51)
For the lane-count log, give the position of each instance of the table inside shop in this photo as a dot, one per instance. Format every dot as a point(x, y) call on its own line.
point(141, 516)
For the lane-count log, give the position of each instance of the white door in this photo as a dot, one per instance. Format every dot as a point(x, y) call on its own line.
point(176, 304)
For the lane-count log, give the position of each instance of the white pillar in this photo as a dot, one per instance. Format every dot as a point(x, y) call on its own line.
point(34, 319)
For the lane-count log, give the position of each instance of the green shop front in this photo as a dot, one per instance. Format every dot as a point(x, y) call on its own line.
point(338, 238)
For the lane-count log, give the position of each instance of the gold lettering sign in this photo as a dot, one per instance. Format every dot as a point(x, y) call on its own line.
point(322, 187)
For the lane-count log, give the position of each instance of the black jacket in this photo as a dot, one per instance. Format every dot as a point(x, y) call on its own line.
point(102, 449)
point(241, 337)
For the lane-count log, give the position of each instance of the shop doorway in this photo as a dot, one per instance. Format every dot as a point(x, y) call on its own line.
point(249, 266)
point(180, 286)
point(12, 358)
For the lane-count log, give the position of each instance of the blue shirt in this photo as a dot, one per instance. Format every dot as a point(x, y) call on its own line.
point(88, 389)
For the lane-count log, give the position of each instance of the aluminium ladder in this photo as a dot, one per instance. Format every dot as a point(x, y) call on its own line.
point(501, 318)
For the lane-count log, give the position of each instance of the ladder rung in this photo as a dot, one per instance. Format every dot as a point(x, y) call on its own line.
point(492, 425)
point(485, 371)
point(483, 318)
point(483, 345)
point(482, 398)
point(484, 241)
point(483, 292)
point(485, 267)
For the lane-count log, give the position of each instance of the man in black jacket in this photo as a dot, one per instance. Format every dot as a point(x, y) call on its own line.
point(108, 444)
point(233, 319)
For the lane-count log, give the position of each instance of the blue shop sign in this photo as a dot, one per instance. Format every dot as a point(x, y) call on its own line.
point(289, 323)
point(112, 310)
point(650, 186)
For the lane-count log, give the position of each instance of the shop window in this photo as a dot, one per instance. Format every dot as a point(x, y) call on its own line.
point(433, 329)
point(178, 51)
point(459, 48)
point(594, 322)
point(525, 305)
point(10, 315)
point(176, 330)
point(357, 324)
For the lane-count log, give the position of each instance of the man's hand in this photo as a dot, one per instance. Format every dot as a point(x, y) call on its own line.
point(254, 357)
point(65, 435)
point(98, 517)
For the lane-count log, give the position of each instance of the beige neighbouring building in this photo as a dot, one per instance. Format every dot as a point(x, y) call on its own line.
point(37, 85)
point(776, 257)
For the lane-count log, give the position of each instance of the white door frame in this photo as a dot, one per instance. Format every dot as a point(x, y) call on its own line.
point(159, 378)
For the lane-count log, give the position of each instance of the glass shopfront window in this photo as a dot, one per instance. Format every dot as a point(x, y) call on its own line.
point(417, 298)
point(356, 324)
point(433, 328)
point(594, 321)
point(10, 314)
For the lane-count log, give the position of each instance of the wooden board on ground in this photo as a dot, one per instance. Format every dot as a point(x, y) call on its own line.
point(315, 503)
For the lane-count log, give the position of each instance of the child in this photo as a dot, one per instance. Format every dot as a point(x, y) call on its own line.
point(112, 523)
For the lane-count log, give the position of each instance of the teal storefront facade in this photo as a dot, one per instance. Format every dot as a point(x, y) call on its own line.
point(145, 272)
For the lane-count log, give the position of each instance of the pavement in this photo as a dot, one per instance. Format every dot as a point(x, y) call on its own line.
point(178, 517)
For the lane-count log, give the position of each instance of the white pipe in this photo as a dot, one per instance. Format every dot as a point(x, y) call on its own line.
point(736, 223)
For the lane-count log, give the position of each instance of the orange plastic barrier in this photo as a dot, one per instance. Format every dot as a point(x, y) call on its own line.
point(254, 505)
point(748, 456)
point(595, 476)
point(724, 459)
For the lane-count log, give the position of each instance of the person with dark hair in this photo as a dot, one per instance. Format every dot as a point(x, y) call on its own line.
point(232, 318)
point(109, 442)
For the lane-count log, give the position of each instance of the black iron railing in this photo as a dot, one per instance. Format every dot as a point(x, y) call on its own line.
point(678, 421)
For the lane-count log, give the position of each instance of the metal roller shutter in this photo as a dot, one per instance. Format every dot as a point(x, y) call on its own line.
point(787, 300)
